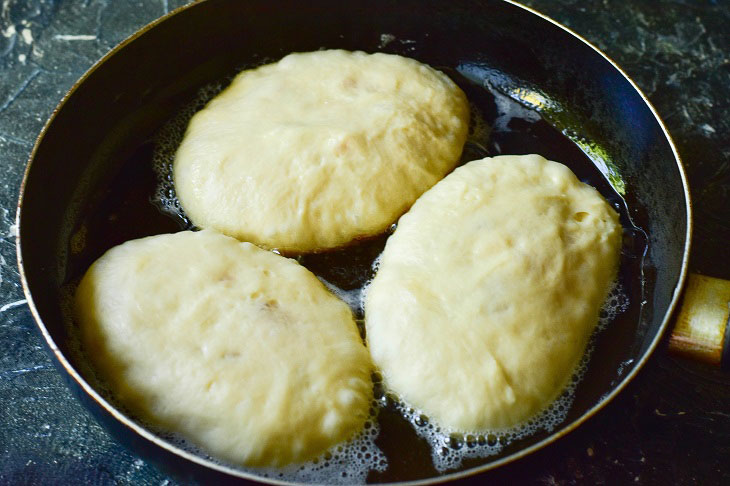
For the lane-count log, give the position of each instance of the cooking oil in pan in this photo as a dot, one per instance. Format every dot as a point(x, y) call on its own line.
point(400, 443)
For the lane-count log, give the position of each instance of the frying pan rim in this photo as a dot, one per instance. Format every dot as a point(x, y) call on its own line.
point(562, 432)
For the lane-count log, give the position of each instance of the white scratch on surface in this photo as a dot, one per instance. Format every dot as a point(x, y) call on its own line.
point(74, 37)
point(23, 371)
point(10, 305)
point(9, 138)
point(2, 264)
point(19, 90)
point(707, 128)
point(27, 36)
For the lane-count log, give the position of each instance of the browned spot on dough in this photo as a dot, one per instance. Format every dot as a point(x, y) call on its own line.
point(342, 147)
point(349, 82)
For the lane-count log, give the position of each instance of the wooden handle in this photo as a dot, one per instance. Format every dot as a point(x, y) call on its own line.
point(701, 331)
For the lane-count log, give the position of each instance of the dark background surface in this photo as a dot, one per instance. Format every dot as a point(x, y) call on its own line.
point(670, 426)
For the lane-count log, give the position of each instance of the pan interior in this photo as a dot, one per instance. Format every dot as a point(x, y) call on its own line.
point(92, 185)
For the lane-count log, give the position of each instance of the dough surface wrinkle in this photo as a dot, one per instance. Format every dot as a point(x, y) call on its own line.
point(241, 352)
point(320, 148)
point(491, 281)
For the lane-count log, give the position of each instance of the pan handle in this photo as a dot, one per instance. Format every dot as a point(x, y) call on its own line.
point(702, 331)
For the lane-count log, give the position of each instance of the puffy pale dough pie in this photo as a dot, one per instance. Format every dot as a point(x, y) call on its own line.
point(319, 149)
point(489, 289)
point(238, 350)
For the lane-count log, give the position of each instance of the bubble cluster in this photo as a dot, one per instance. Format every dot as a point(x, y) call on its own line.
point(617, 302)
point(364, 289)
point(449, 449)
point(376, 262)
point(353, 297)
point(346, 463)
point(167, 140)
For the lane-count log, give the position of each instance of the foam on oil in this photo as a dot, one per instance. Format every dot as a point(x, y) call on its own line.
point(167, 141)
point(346, 463)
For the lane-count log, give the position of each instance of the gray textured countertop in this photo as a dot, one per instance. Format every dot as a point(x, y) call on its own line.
point(671, 425)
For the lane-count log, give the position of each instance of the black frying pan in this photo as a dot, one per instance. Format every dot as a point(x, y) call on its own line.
point(90, 181)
